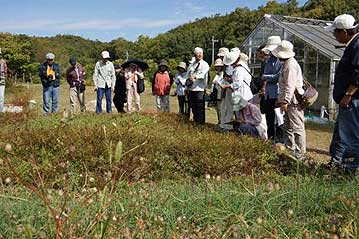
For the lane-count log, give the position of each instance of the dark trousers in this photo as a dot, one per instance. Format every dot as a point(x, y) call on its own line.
point(267, 107)
point(181, 102)
point(197, 104)
point(107, 92)
point(119, 101)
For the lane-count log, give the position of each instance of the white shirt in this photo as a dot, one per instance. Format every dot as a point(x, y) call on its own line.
point(241, 82)
point(180, 80)
point(199, 69)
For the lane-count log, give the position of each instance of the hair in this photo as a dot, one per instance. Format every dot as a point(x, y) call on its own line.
point(355, 30)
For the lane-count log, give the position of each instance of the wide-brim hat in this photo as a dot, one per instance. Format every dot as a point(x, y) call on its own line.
point(243, 59)
point(271, 44)
point(218, 62)
point(182, 65)
point(284, 50)
point(50, 56)
point(230, 58)
point(163, 63)
point(222, 51)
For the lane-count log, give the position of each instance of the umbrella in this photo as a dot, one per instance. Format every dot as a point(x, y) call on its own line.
point(140, 63)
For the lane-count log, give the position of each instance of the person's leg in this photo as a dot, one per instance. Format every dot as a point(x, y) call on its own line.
point(81, 98)
point(297, 122)
point(158, 103)
point(181, 102)
point(2, 97)
point(288, 132)
point(46, 100)
point(129, 99)
point(348, 120)
point(166, 103)
point(270, 118)
point(100, 92)
point(117, 102)
point(199, 107)
point(336, 148)
point(73, 99)
point(137, 97)
point(247, 129)
point(55, 99)
point(108, 99)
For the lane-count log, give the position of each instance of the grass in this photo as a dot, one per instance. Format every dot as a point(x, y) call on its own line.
point(157, 176)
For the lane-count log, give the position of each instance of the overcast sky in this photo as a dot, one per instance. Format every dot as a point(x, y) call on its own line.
point(109, 19)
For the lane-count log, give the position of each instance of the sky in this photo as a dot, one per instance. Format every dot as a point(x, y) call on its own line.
point(106, 20)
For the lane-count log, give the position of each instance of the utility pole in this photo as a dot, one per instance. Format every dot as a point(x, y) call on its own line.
point(127, 55)
point(213, 42)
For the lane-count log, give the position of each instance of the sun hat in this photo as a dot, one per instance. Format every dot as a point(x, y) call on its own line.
point(284, 50)
point(344, 21)
point(272, 43)
point(163, 63)
point(50, 56)
point(105, 55)
point(198, 50)
point(222, 51)
point(182, 65)
point(243, 59)
point(236, 49)
point(73, 60)
point(218, 62)
point(230, 58)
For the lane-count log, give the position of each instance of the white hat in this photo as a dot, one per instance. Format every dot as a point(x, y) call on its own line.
point(105, 54)
point(284, 50)
point(230, 58)
point(182, 65)
point(222, 51)
point(344, 21)
point(243, 59)
point(236, 49)
point(50, 56)
point(218, 62)
point(198, 50)
point(272, 43)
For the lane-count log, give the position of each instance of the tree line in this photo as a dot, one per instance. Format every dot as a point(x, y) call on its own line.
point(25, 53)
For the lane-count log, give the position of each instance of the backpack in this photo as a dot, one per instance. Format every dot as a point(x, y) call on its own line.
point(309, 96)
point(254, 85)
point(140, 85)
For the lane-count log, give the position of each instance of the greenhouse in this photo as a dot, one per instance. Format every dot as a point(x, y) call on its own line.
point(316, 50)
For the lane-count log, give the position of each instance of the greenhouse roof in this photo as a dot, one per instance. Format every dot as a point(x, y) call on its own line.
point(310, 31)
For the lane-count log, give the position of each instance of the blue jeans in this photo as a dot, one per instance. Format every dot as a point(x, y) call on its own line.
point(336, 148)
point(348, 123)
point(50, 94)
point(2, 97)
point(100, 93)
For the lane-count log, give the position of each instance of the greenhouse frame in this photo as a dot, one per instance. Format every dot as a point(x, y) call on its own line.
point(316, 50)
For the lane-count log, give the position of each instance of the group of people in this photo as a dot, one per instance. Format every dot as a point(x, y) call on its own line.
point(267, 106)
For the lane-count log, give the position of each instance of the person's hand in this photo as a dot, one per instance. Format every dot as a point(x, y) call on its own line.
point(262, 92)
point(284, 107)
point(95, 89)
point(193, 78)
point(113, 89)
point(225, 86)
point(50, 77)
point(345, 101)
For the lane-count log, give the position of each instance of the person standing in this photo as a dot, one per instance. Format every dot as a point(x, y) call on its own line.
point(270, 77)
point(50, 75)
point(3, 75)
point(162, 81)
point(180, 80)
point(75, 76)
point(345, 93)
point(216, 89)
point(119, 99)
point(290, 85)
point(132, 74)
point(197, 84)
point(104, 79)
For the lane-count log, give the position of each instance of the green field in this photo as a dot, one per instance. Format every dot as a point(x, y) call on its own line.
point(154, 175)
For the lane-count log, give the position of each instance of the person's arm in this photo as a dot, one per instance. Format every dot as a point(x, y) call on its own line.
point(256, 114)
point(139, 73)
point(202, 72)
point(171, 79)
point(113, 77)
point(153, 82)
point(68, 77)
point(289, 77)
point(95, 76)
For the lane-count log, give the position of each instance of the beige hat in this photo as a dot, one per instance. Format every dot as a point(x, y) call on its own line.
point(230, 58)
point(344, 21)
point(222, 51)
point(50, 56)
point(284, 50)
point(182, 65)
point(218, 62)
point(236, 49)
point(243, 59)
point(272, 43)
point(105, 55)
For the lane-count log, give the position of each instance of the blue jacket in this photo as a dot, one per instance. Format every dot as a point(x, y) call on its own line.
point(271, 72)
point(347, 72)
point(46, 82)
